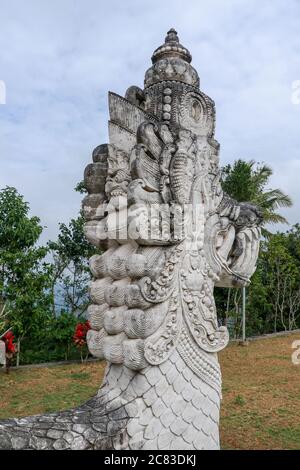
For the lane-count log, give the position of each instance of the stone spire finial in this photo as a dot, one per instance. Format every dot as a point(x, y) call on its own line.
point(172, 36)
point(171, 61)
point(171, 48)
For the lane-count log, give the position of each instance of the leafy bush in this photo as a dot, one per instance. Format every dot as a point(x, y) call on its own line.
point(54, 343)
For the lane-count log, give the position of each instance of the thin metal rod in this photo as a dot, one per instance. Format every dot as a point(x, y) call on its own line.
point(244, 313)
point(18, 352)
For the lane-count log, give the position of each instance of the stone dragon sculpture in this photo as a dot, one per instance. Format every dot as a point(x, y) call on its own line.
point(156, 208)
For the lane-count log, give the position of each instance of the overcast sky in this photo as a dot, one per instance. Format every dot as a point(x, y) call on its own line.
point(59, 58)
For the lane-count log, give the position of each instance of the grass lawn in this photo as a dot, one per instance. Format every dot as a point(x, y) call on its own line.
point(261, 393)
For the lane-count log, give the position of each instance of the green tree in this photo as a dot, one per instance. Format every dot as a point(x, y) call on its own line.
point(24, 274)
point(283, 282)
point(293, 243)
point(71, 275)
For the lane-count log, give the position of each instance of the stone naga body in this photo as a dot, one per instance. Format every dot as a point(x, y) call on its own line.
point(168, 236)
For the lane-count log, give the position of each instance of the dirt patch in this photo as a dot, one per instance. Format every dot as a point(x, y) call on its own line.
point(261, 395)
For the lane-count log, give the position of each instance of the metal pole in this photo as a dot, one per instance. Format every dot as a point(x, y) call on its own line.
point(18, 352)
point(244, 313)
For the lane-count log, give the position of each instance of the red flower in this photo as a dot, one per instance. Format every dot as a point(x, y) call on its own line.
point(9, 335)
point(9, 345)
point(81, 330)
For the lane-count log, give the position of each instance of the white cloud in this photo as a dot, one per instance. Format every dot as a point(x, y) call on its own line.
point(59, 59)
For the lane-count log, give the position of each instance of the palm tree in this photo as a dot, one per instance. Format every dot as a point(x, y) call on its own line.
point(247, 181)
